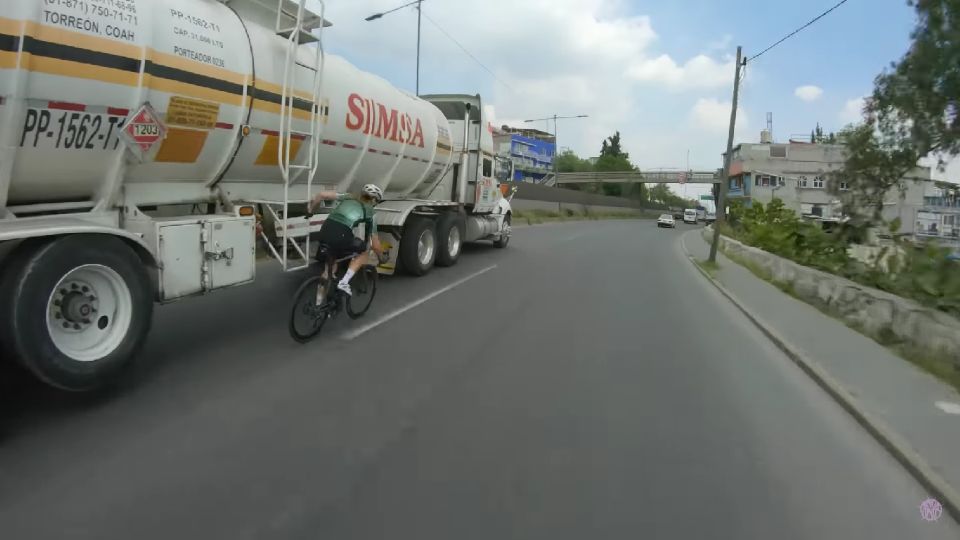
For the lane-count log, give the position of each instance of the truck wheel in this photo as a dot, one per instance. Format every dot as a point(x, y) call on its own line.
point(418, 246)
point(10, 268)
point(77, 311)
point(451, 228)
point(505, 231)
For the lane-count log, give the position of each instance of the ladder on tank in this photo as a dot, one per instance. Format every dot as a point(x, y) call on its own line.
point(295, 23)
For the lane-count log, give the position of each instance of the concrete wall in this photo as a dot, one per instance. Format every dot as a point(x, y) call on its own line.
point(559, 207)
point(536, 192)
point(879, 314)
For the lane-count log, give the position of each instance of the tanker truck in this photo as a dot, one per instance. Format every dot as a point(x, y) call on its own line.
point(146, 146)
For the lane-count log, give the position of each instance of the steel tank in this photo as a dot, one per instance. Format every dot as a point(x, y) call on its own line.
point(74, 74)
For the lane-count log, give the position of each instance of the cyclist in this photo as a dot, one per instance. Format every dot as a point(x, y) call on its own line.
point(337, 230)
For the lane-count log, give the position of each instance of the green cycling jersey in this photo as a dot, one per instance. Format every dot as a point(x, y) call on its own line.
point(351, 212)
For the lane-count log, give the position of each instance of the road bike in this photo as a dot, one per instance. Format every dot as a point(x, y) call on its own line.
point(318, 299)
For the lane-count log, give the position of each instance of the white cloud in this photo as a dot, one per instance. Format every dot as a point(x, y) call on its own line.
point(701, 71)
point(808, 92)
point(713, 115)
point(852, 111)
point(565, 57)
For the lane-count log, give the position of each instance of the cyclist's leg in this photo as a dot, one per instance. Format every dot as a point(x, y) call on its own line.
point(360, 248)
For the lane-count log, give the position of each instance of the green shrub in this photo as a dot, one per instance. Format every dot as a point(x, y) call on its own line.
point(925, 274)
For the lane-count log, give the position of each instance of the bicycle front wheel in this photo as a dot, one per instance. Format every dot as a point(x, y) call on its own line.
point(364, 287)
point(307, 317)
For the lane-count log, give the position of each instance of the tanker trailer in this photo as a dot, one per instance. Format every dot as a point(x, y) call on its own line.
point(140, 141)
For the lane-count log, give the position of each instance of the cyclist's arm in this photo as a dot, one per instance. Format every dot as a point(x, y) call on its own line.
point(375, 243)
point(326, 196)
point(373, 237)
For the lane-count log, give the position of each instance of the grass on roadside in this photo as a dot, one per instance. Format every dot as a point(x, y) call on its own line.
point(536, 217)
point(935, 362)
point(710, 267)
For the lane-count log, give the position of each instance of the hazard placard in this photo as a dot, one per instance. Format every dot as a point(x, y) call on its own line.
point(144, 128)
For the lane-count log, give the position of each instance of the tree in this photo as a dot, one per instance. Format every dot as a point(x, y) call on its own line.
point(875, 164)
point(918, 100)
point(611, 147)
point(817, 136)
point(570, 162)
point(612, 157)
point(611, 163)
point(914, 111)
point(660, 193)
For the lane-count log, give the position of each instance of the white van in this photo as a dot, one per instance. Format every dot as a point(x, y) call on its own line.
point(690, 216)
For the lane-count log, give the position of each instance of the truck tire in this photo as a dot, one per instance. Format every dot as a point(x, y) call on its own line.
point(77, 311)
point(10, 268)
point(418, 245)
point(451, 228)
point(504, 233)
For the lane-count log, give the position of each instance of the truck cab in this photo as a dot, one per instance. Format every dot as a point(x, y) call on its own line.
point(473, 181)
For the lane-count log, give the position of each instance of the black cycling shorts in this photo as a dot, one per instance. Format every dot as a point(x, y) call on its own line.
point(340, 239)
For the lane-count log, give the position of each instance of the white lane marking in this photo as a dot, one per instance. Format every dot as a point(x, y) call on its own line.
point(948, 407)
point(571, 238)
point(367, 327)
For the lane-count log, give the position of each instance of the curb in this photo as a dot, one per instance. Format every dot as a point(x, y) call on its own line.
point(895, 445)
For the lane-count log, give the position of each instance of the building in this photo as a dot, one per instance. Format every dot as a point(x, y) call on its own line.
point(939, 218)
point(532, 152)
point(796, 173)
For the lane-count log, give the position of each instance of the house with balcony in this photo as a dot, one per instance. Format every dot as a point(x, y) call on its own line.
point(939, 218)
point(797, 173)
point(532, 152)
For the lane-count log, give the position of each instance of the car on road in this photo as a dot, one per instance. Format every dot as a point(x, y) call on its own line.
point(666, 220)
point(690, 216)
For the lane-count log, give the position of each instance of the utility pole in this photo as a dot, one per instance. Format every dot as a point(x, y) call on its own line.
point(556, 149)
point(556, 146)
point(725, 177)
point(419, 15)
point(419, 4)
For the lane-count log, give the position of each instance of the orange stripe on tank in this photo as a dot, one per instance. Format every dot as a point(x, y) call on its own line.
point(10, 26)
point(79, 70)
point(277, 89)
point(8, 60)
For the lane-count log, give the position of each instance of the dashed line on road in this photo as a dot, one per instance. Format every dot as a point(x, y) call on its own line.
point(353, 334)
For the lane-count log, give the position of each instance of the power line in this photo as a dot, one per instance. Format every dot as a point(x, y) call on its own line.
point(464, 49)
point(791, 34)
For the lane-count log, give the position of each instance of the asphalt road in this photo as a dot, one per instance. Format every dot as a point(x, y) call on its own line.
point(589, 386)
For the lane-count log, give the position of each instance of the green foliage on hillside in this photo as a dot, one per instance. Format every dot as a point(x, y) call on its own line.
point(923, 273)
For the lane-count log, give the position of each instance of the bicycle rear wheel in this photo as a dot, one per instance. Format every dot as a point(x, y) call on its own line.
point(306, 317)
point(364, 287)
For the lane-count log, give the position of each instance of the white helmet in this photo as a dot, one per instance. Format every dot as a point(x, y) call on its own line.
point(373, 191)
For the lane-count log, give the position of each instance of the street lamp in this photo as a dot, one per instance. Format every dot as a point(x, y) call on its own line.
point(376, 16)
point(556, 145)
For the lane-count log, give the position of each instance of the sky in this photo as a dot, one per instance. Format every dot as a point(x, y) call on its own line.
point(660, 73)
